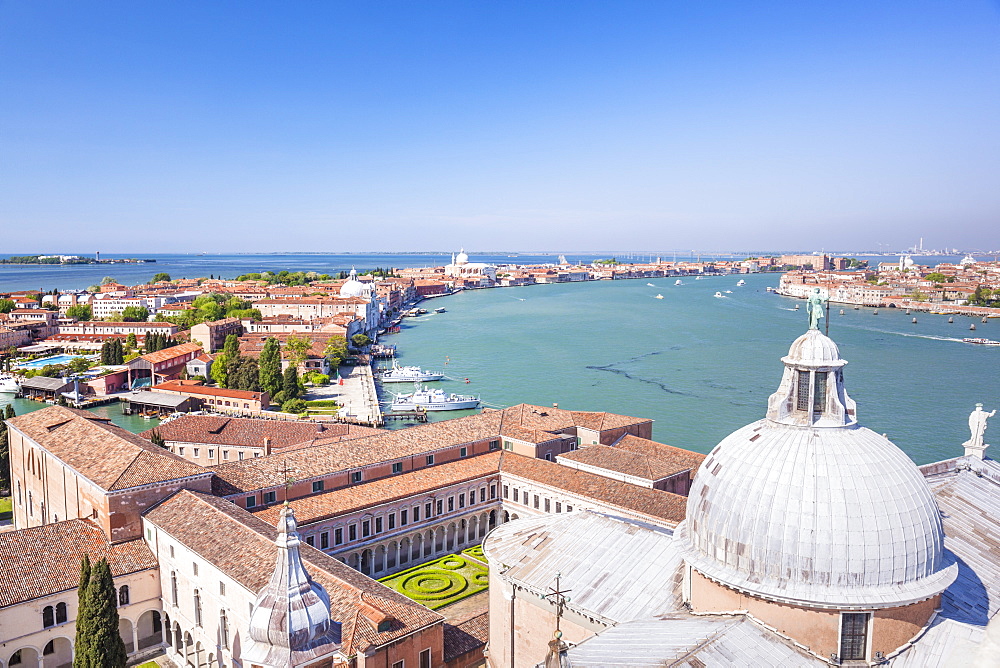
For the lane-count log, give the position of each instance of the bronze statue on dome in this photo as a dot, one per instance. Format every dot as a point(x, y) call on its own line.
point(816, 302)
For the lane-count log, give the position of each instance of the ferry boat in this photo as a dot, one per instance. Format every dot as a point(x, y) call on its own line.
point(408, 374)
point(433, 400)
point(658, 297)
point(740, 283)
point(8, 383)
point(982, 342)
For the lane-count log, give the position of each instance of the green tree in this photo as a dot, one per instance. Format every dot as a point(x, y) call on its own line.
point(98, 642)
point(936, 277)
point(79, 364)
point(107, 280)
point(220, 371)
point(135, 314)
point(4, 458)
point(161, 277)
point(80, 312)
point(298, 348)
point(156, 439)
point(290, 387)
point(296, 406)
point(8, 412)
point(130, 340)
point(245, 375)
point(360, 340)
point(269, 365)
point(7, 305)
point(336, 350)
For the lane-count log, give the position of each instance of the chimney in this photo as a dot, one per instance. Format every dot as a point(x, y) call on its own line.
point(267, 446)
point(555, 405)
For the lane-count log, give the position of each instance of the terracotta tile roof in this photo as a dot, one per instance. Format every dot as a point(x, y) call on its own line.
point(109, 456)
point(45, 560)
point(549, 419)
point(251, 432)
point(242, 546)
point(172, 352)
point(651, 502)
point(638, 457)
point(384, 490)
point(323, 459)
point(465, 636)
point(190, 388)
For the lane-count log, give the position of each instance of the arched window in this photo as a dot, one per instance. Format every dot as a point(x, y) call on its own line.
point(15, 659)
point(123, 595)
point(48, 617)
point(173, 586)
point(197, 607)
point(50, 648)
point(223, 630)
point(61, 613)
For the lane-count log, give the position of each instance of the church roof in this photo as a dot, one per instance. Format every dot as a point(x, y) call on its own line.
point(107, 455)
point(638, 457)
point(243, 547)
point(45, 560)
point(224, 430)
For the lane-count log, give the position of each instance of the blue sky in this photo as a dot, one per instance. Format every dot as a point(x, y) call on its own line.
point(325, 126)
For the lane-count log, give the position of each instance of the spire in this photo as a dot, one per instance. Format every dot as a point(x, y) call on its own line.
point(811, 393)
point(290, 624)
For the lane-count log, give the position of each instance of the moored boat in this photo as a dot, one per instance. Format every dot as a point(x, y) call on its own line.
point(433, 400)
point(8, 383)
point(408, 374)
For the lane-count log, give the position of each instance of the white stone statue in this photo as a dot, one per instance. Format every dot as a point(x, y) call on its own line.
point(977, 425)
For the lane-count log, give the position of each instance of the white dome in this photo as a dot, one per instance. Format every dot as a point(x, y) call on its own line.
point(806, 507)
point(461, 258)
point(352, 287)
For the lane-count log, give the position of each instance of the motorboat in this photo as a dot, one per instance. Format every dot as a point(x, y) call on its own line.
point(650, 285)
point(740, 283)
point(439, 309)
point(982, 342)
point(8, 383)
point(678, 282)
point(433, 400)
point(408, 374)
point(658, 297)
point(729, 292)
point(719, 295)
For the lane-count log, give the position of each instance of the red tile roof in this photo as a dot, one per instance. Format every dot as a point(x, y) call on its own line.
point(172, 352)
point(639, 457)
point(45, 560)
point(107, 455)
point(205, 390)
point(251, 432)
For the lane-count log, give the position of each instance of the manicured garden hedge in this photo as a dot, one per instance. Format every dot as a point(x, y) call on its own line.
point(440, 582)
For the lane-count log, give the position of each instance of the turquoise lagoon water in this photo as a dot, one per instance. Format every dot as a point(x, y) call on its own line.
point(701, 366)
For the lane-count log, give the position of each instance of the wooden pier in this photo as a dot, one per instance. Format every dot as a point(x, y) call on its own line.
point(408, 416)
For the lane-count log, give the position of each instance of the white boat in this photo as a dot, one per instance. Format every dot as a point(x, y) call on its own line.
point(740, 283)
point(678, 282)
point(409, 374)
point(719, 295)
point(650, 285)
point(433, 400)
point(439, 309)
point(982, 342)
point(8, 383)
point(659, 297)
point(729, 292)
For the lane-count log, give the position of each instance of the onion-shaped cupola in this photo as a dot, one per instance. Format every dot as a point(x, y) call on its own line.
point(290, 624)
point(807, 508)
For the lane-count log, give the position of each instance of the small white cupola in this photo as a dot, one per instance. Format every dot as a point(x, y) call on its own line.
point(811, 393)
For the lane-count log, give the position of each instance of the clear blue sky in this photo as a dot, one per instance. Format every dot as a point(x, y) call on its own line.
point(251, 126)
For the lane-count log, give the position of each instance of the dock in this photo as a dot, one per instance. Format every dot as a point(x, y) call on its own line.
point(355, 391)
point(406, 416)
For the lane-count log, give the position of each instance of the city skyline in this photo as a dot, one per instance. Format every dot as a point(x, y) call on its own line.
point(253, 127)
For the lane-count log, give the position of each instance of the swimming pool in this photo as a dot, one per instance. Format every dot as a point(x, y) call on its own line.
point(55, 359)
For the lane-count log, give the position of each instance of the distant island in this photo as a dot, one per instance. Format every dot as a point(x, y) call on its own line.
point(69, 259)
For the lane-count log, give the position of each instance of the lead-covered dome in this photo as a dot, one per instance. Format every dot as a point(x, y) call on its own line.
point(352, 287)
point(806, 507)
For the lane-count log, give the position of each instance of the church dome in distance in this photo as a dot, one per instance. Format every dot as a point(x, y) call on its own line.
point(352, 287)
point(461, 258)
point(805, 507)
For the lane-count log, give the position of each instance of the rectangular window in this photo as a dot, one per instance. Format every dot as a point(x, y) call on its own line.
point(558, 507)
point(355, 476)
point(536, 501)
point(180, 451)
point(222, 588)
point(397, 467)
point(398, 664)
point(493, 491)
point(853, 635)
point(310, 540)
point(472, 498)
point(196, 451)
point(802, 392)
point(352, 532)
point(517, 493)
point(507, 445)
point(392, 521)
point(506, 491)
point(461, 500)
point(378, 525)
point(548, 456)
point(251, 501)
point(324, 540)
point(482, 493)
point(494, 445)
point(462, 452)
point(270, 497)
point(819, 393)
point(318, 486)
point(547, 506)
point(338, 536)
point(425, 658)
point(451, 504)
point(428, 512)
point(440, 507)
point(225, 454)
point(241, 455)
point(569, 509)
point(211, 453)
point(416, 513)
point(366, 528)
point(430, 460)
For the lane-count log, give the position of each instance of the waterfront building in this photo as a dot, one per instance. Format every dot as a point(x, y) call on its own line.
point(212, 335)
point(218, 399)
point(162, 365)
point(471, 274)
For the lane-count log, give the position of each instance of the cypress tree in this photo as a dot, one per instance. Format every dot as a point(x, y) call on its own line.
point(84, 618)
point(290, 383)
point(4, 458)
point(231, 352)
point(105, 354)
point(105, 646)
point(9, 412)
point(270, 366)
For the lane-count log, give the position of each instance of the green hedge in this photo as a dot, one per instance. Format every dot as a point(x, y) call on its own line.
point(440, 582)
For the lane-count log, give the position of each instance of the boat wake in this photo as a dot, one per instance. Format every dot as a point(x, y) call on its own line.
point(931, 337)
